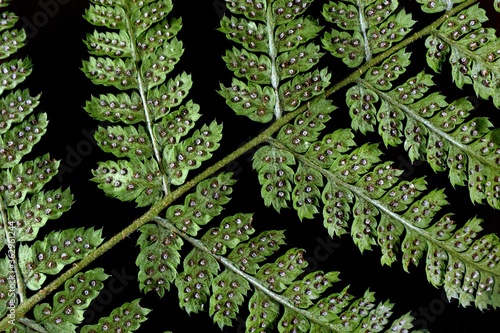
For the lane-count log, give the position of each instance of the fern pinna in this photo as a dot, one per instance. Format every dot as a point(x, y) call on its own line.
point(156, 145)
point(356, 190)
point(25, 207)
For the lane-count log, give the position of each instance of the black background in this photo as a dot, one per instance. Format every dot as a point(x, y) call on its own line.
point(56, 30)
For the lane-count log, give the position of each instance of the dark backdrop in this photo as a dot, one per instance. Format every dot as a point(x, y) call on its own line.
point(56, 29)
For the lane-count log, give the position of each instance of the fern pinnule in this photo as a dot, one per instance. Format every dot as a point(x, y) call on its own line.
point(127, 317)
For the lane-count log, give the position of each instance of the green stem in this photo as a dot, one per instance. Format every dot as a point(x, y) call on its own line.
point(275, 80)
point(172, 196)
point(258, 285)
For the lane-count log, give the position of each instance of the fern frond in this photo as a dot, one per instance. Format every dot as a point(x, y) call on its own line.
point(429, 127)
point(15, 107)
point(282, 296)
point(69, 305)
point(158, 258)
point(24, 206)
point(375, 26)
point(34, 212)
point(393, 214)
point(472, 51)
point(126, 318)
point(137, 59)
point(283, 39)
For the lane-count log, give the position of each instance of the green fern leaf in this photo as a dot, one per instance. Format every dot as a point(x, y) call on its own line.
point(20, 139)
point(156, 67)
point(302, 293)
point(163, 99)
point(109, 44)
point(15, 107)
point(375, 26)
point(177, 124)
point(11, 40)
point(299, 60)
point(285, 47)
point(112, 16)
point(228, 294)
point(130, 180)
point(471, 49)
point(194, 282)
point(250, 100)
point(117, 73)
point(302, 88)
point(187, 155)
point(263, 312)
point(161, 32)
point(228, 288)
point(69, 305)
point(26, 178)
point(307, 126)
point(127, 318)
point(57, 250)
point(116, 108)
point(33, 213)
point(432, 129)
point(223, 237)
point(275, 175)
point(252, 36)
point(248, 255)
point(9, 19)
point(293, 33)
point(127, 141)
point(145, 14)
point(158, 258)
point(385, 210)
point(199, 208)
point(14, 72)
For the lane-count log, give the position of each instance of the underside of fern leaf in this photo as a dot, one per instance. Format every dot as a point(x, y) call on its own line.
point(135, 52)
point(25, 207)
point(360, 193)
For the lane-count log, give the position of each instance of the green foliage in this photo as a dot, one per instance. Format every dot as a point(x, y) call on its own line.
point(127, 318)
point(150, 129)
point(276, 61)
point(430, 128)
point(24, 206)
point(375, 24)
point(68, 305)
point(472, 51)
point(55, 251)
point(137, 59)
